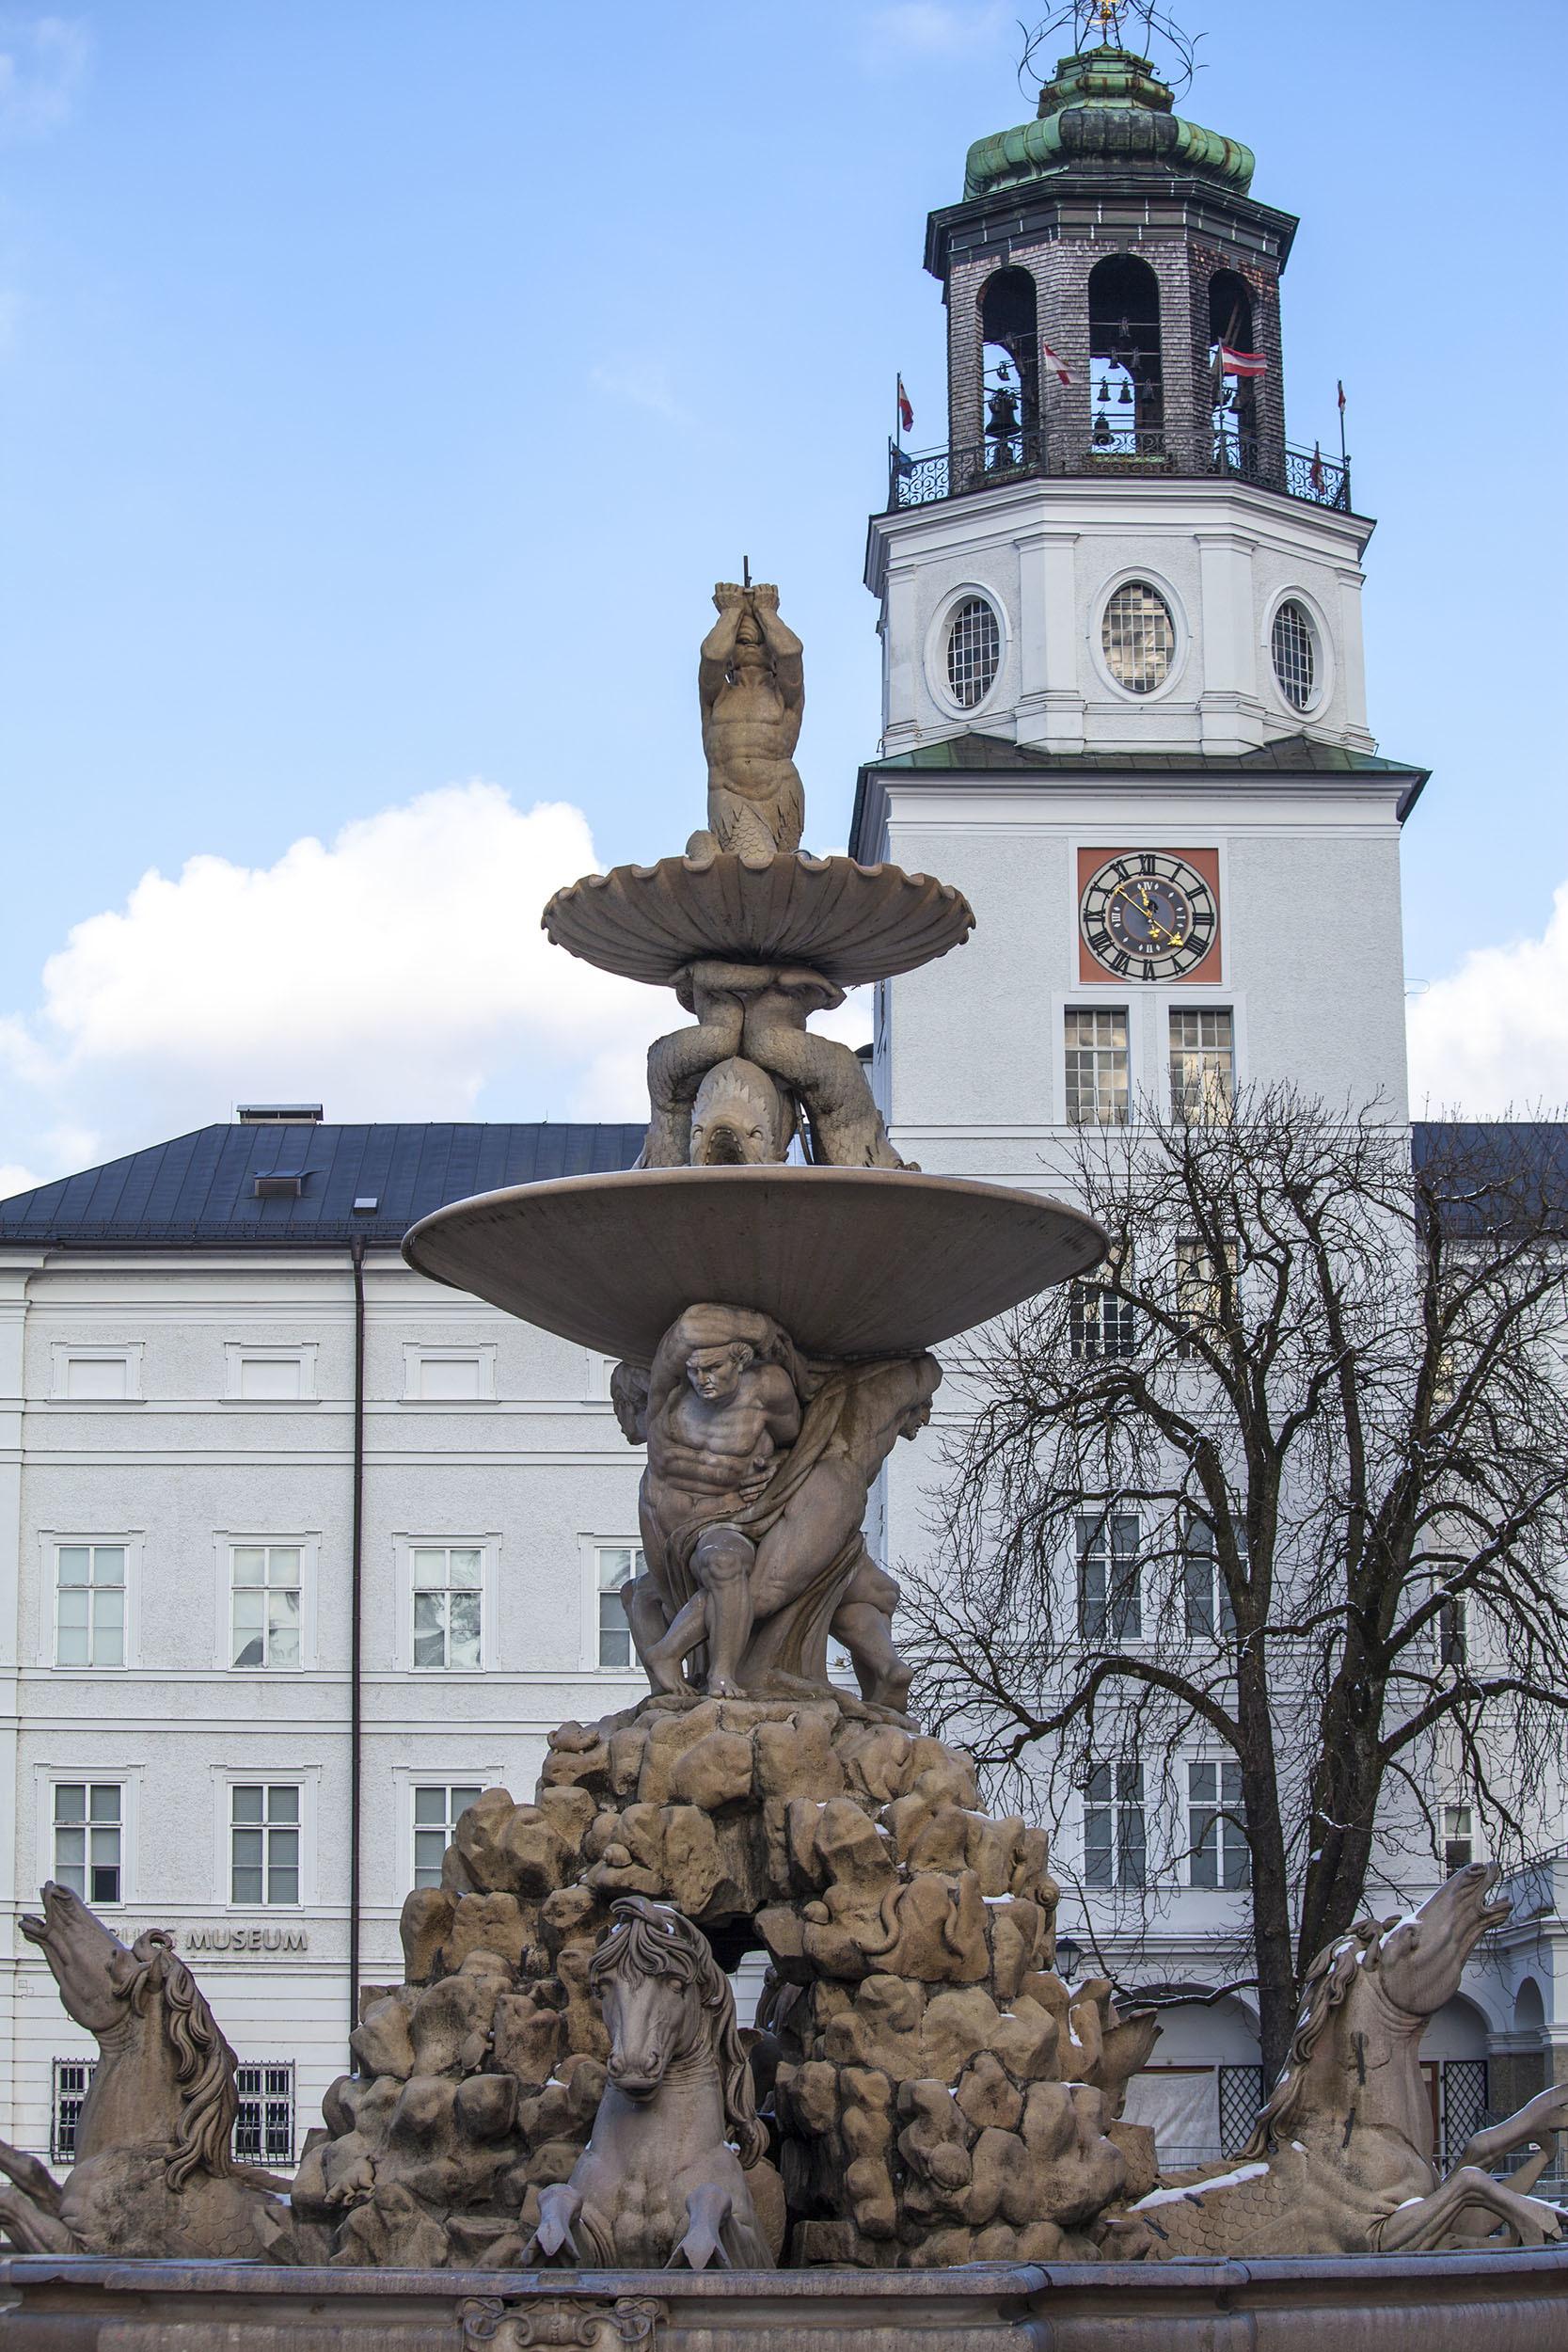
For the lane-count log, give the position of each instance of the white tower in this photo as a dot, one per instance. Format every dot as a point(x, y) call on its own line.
point(1121, 632)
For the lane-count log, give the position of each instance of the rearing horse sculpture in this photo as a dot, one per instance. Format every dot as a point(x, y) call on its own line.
point(154, 2174)
point(1341, 2157)
point(658, 2184)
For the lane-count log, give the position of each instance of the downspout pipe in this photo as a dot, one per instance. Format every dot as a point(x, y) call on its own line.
point(356, 1652)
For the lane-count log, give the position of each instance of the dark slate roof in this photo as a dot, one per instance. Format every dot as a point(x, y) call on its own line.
point(199, 1191)
point(1497, 1169)
point(993, 755)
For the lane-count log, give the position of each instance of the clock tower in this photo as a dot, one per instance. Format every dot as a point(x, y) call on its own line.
point(1123, 697)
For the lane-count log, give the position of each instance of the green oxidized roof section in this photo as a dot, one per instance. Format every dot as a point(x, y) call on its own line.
point(1105, 106)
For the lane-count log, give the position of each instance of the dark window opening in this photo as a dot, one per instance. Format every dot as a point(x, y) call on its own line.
point(1234, 398)
point(1010, 371)
point(1126, 380)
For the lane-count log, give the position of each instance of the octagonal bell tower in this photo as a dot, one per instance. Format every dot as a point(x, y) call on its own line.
point(1117, 547)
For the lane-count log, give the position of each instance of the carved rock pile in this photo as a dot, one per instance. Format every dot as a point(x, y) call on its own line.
point(940, 2096)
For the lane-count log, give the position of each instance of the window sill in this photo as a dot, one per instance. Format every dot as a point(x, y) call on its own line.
point(88, 1403)
point(272, 1404)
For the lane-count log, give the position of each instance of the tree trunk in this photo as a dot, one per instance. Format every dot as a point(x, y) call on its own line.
point(1272, 1941)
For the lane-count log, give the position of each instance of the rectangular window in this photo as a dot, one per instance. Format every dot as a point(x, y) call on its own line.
point(1114, 1839)
point(264, 1842)
point(270, 1379)
point(264, 2124)
point(1099, 1324)
point(89, 1604)
point(1218, 1852)
point(72, 2079)
point(1109, 1602)
point(98, 1378)
point(1459, 1838)
point(438, 1807)
point(88, 1831)
point(1202, 1065)
point(449, 1379)
point(615, 1564)
point(1206, 1596)
point(1096, 1067)
point(1199, 1296)
point(265, 1581)
point(447, 1604)
point(1453, 1630)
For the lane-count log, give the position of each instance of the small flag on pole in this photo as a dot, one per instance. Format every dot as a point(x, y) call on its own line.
point(905, 413)
point(1241, 362)
point(1062, 374)
point(1317, 476)
point(1342, 397)
point(899, 461)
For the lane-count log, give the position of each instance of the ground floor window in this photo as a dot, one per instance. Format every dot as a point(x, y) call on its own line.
point(72, 2077)
point(264, 2126)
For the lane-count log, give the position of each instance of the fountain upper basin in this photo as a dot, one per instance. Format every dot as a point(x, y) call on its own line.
point(851, 1261)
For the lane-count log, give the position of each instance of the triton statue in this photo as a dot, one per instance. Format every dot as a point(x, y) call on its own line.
point(759, 1465)
point(753, 692)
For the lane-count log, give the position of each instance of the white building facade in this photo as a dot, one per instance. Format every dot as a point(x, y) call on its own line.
point(1121, 637)
point(222, 1391)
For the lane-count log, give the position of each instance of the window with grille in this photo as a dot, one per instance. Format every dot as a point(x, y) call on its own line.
point(1199, 1290)
point(614, 1565)
point(89, 1604)
point(72, 2080)
point(1295, 658)
point(1240, 2097)
point(1138, 634)
point(1459, 1838)
point(1099, 1322)
point(1463, 2091)
point(263, 1833)
point(90, 1829)
point(1097, 1066)
point(439, 1807)
point(265, 2123)
point(1205, 1594)
point(1110, 1602)
point(1114, 1843)
point(1217, 1851)
point(1202, 1065)
point(447, 1604)
point(974, 652)
point(265, 1582)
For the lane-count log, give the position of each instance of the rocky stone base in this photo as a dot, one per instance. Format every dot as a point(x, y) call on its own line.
point(1513, 2302)
point(939, 2096)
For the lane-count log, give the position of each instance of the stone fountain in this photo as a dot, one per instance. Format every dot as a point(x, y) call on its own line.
point(554, 2133)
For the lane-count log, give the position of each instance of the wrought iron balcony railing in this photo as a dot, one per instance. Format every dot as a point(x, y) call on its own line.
point(921, 478)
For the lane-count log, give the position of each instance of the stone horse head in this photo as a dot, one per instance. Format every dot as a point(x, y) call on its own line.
point(665, 2178)
point(1366, 2002)
point(666, 2004)
point(165, 2066)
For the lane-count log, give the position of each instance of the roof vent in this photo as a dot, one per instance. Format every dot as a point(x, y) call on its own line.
point(280, 1114)
point(280, 1184)
point(366, 1203)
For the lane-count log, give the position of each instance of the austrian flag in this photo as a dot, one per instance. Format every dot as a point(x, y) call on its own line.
point(1052, 361)
point(1241, 362)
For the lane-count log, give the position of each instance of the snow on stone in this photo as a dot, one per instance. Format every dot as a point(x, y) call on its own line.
point(1200, 2188)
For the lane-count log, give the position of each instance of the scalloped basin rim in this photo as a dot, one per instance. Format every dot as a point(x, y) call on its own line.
point(851, 1261)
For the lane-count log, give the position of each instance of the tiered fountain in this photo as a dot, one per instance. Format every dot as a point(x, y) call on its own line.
point(554, 2133)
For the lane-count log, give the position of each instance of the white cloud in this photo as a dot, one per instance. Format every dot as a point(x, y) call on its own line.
point(389, 973)
point(1493, 1037)
point(42, 63)
point(916, 29)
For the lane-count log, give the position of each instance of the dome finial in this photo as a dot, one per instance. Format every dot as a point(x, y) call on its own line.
point(1116, 25)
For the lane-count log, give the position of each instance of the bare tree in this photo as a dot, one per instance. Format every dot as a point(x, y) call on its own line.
point(1288, 1480)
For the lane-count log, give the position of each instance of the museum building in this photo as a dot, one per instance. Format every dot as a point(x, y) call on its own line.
point(298, 1550)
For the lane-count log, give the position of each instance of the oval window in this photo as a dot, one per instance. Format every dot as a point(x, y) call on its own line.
point(1295, 655)
point(1139, 637)
point(974, 652)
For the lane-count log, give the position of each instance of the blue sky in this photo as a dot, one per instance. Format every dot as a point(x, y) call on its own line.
point(384, 385)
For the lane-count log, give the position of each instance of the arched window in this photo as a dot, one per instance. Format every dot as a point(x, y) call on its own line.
point(1126, 380)
point(1293, 643)
point(1234, 398)
point(1010, 372)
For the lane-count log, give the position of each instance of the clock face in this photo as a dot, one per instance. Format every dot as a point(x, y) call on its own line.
point(1147, 916)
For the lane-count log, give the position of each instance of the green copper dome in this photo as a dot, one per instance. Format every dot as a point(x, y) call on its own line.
point(1105, 106)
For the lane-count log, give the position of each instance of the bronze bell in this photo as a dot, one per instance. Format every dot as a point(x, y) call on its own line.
point(1126, 393)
